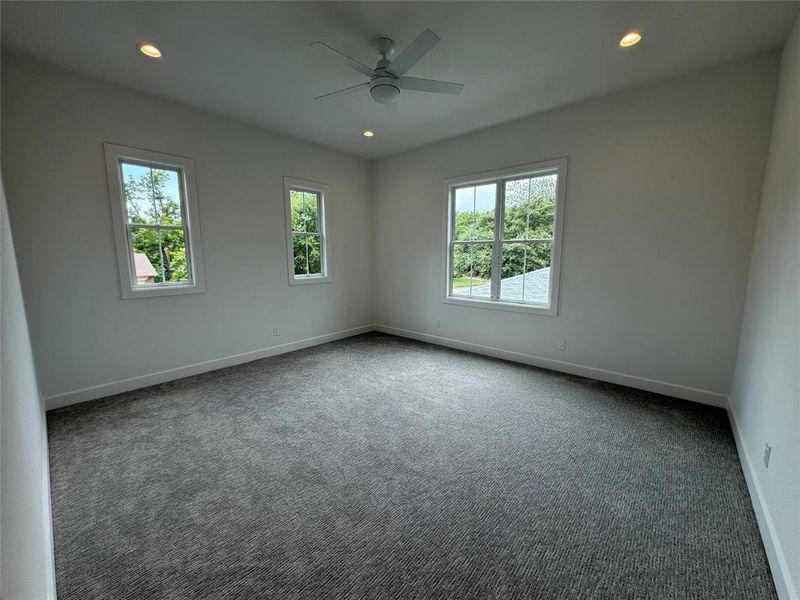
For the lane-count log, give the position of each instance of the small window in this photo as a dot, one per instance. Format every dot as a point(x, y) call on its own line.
point(155, 222)
point(306, 231)
point(504, 238)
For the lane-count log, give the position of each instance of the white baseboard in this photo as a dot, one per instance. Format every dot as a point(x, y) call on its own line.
point(778, 564)
point(132, 383)
point(634, 381)
point(124, 385)
point(47, 512)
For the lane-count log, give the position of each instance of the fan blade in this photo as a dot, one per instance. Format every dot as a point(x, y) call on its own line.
point(344, 92)
point(350, 62)
point(393, 109)
point(413, 52)
point(430, 85)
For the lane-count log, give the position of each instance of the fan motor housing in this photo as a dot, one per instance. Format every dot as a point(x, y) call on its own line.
point(384, 90)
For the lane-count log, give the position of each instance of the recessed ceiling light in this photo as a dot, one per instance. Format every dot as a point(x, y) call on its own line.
point(368, 133)
point(630, 39)
point(149, 50)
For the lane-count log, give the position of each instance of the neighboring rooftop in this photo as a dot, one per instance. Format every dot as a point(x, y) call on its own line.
point(533, 286)
point(143, 266)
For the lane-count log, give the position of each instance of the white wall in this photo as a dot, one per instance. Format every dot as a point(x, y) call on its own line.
point(765, 400)
point(26, 550)
point(83, 333)
point(662, 194)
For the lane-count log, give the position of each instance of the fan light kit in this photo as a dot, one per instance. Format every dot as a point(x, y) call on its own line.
point(388, 78)
point(368, 133)
point(630, 39)
point(149, 50)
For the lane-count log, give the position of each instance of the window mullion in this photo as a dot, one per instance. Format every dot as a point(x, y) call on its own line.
point(528, 240)
point(152, 226)
point(499, 208)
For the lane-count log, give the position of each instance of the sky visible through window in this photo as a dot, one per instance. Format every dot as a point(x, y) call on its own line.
point(171, 188)
point(483, 198)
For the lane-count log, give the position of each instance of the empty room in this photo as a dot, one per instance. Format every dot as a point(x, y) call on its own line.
point(400, 300)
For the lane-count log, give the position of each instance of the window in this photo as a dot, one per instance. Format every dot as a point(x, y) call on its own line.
point(154, 206)
point(504, 238)
point(306, 231)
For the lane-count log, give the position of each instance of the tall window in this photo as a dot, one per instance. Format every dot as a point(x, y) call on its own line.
point(155, 222)
point(503, 237)
point(306, 231)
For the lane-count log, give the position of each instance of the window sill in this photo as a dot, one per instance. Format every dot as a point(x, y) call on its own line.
point(172, 290)
point(306, 280)
point(500, 305)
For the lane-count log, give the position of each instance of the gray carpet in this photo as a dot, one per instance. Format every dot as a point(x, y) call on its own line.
point(377, 467)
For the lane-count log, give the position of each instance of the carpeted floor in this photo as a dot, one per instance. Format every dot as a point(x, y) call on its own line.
point(381, 468)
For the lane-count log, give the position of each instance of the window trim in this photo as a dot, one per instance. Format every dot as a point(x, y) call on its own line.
point(323, 190)
point(114, 154)
point(559, 166)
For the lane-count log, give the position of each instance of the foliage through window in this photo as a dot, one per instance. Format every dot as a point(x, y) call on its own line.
point(308, 249)
point(503, 237)
point(154, 213)
point(156, 224)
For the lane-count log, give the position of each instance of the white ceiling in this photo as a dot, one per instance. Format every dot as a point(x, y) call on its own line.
point(251, 60)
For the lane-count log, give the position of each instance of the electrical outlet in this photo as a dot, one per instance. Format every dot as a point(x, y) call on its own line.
point(276, 332)
point(767, 453)
point(437, 324)
point(561, 345)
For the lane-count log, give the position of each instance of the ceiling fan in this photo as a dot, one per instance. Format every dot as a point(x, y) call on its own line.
point(388, 77)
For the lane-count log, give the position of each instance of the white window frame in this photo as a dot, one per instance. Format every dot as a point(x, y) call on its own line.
point(323, 191)
point(114, 155)
point(499, 177)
